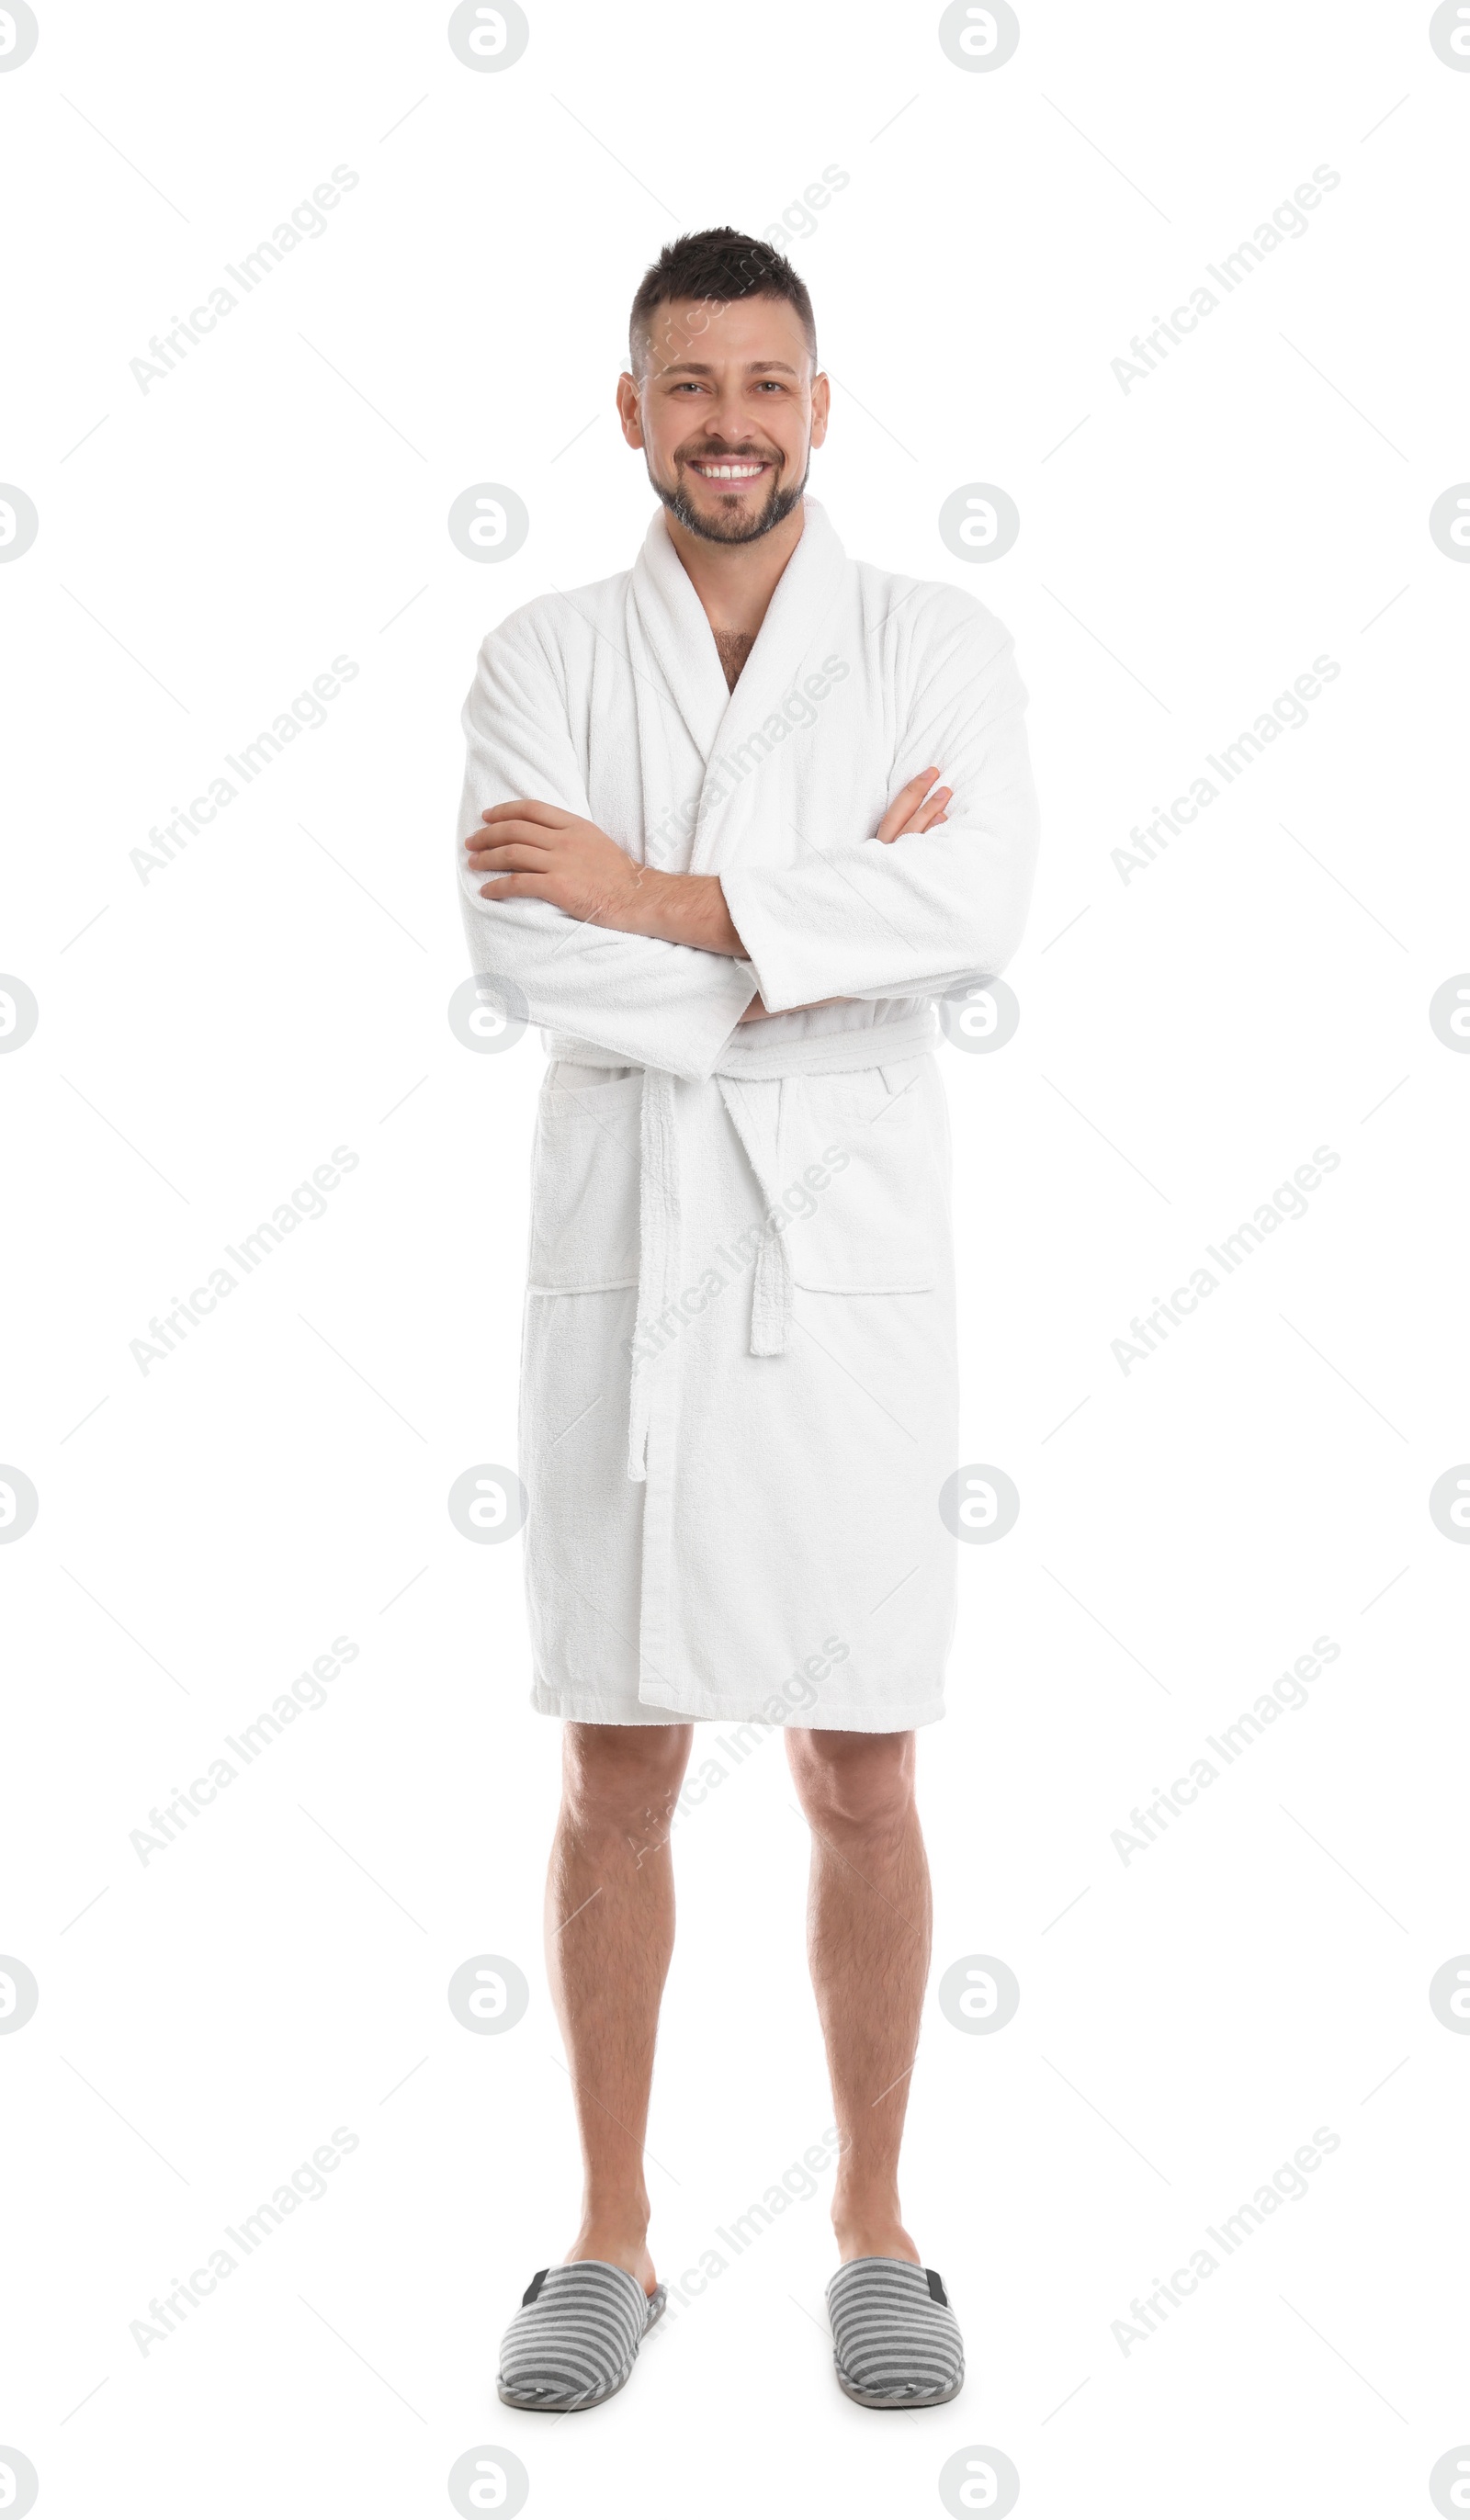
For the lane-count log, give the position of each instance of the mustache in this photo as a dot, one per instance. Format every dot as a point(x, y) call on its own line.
point(726, 455)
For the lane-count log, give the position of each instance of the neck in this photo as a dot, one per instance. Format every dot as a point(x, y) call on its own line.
point(735, 581)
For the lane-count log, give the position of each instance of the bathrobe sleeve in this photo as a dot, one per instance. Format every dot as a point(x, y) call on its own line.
point(651, 1004)
point(914, 918)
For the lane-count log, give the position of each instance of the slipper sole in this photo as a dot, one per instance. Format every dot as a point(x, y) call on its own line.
point(897, 2405)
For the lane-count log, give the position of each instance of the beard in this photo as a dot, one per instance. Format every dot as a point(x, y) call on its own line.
point(733, 526)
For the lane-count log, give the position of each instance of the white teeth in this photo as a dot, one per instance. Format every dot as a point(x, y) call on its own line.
point(728, 472)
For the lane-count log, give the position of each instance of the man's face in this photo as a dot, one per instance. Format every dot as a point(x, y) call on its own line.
point(727, 411)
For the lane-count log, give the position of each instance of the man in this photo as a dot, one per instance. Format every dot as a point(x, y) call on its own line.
point(704, 848)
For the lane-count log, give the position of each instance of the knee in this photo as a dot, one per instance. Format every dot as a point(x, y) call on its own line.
point(616, 1775)
point(853, 1783)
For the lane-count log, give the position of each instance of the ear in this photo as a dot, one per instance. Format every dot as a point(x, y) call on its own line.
point(628, 411)
point(822, 404)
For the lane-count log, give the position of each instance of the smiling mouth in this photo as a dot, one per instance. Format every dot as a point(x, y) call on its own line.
point(730, 473)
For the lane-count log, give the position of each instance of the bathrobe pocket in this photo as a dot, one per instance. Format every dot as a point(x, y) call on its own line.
point(583, 1187)
point(867, 1156)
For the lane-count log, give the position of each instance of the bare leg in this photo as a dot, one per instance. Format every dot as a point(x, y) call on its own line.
point(609, 1932)
point(867, 1928)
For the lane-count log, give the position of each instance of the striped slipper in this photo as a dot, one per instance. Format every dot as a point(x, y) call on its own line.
point(575, 2338)
point(896, 2342)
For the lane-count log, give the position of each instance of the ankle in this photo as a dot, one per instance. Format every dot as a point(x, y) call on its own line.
point(872, 2225)
point(622, 2243)
point(615, 2197)
point(616, 2218)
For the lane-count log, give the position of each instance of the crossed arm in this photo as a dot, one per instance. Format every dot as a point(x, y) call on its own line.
point(540, 853)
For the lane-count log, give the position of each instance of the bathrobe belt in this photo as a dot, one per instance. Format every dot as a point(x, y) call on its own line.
point(751, 1091)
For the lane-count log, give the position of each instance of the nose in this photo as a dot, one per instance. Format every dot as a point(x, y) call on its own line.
point(727, 420)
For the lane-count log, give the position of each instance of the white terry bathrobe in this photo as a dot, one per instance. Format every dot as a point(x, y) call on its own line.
point(738, 1392)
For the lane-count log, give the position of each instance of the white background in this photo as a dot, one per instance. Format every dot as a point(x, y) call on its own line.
point(206, 1037)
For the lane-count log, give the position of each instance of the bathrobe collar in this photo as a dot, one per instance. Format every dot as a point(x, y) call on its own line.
point(676, 629)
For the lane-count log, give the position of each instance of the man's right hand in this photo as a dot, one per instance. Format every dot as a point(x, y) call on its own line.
point(913, 809)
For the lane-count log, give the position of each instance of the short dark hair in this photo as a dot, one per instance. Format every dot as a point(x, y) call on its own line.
point(718, 265)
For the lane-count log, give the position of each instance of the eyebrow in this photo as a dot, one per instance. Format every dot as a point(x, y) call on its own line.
point(753, 368)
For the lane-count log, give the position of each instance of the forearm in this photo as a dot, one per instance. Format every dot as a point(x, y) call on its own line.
point(689, 910)
point(681, 910)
